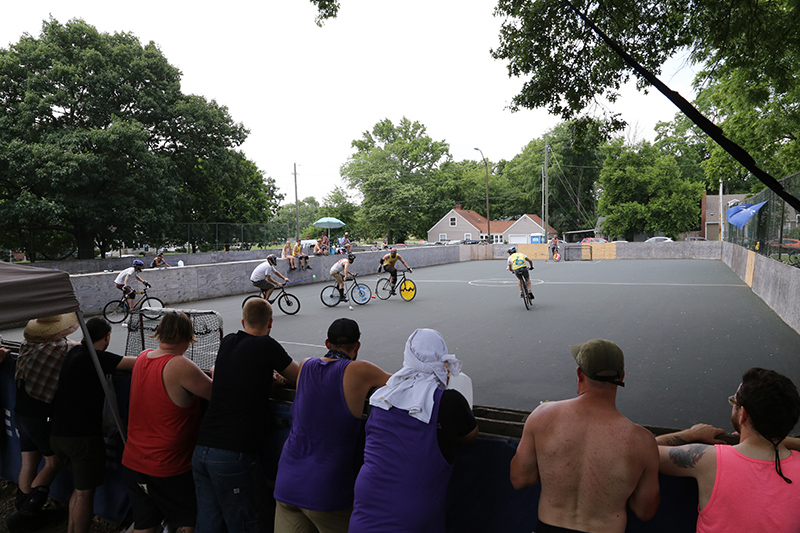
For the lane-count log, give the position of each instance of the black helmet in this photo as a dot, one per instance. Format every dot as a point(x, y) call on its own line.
point(351, 257)
point(512, 250)
point(272, 259)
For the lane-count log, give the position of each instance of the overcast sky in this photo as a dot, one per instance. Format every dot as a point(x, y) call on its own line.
point(305, 93)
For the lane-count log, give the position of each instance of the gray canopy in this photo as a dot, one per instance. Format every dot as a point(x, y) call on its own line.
point(28, 292)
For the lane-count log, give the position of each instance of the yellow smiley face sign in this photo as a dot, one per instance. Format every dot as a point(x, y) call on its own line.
point(408, 290)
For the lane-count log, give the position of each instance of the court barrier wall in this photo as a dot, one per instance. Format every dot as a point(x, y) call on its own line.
point(778, 284)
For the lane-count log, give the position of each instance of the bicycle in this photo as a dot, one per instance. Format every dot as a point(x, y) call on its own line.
point(116, 311)
point(384, 288)
point(525, 295)
point(360, 293)
point(288, 303)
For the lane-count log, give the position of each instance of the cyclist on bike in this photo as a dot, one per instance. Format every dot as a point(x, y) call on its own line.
point(516, 264)
point(388, 261)
point(339, 272)
point(122, 280)
point(262, 276)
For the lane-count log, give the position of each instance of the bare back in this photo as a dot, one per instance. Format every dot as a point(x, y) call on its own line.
point(592, 464)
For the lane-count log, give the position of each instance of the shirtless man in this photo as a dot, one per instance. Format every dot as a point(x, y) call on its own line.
point(593, 463)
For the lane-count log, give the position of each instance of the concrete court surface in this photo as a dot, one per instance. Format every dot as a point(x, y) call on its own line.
point(689, 329)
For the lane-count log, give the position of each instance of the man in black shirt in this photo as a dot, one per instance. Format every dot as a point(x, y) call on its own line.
point(76, 436)
point(229, 460)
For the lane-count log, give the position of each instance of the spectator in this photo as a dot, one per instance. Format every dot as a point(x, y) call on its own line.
point(77, 431)
point(318, 466)
point(591, 461)
point(162, 428)
point(411, 440)
point(287, 254)
point(41, 357)
point(229, 462)
point(344, 243)
point(300, 255)
point(325, 247)
point(158, 262)
point(3, 353)
point(752, 486)
point(318, 248)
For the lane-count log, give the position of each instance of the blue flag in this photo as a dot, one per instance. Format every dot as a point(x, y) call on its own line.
point(739, 215)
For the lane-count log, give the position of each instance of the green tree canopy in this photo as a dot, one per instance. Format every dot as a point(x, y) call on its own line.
point(392, 168)
point(643, 192)
point(97, 140)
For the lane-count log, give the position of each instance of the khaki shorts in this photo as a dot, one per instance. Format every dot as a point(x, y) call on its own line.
point(297, 520)
point(338, 276)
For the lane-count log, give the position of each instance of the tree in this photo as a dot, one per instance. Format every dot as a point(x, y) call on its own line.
point(287, 218)
point(97, 140)
point(643, 192)
point(392, 169)
point(338, 204)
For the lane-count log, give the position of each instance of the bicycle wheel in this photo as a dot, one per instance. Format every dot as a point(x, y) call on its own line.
point(408, 289)
point(527, 300)
point(289, 303)
point(361, 293)
point(249, 298)
point(156, 305)
point(330, 295)
point(384, 288)
point(115, 311)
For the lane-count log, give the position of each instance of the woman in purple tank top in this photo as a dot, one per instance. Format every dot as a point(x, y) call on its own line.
point(407, 458)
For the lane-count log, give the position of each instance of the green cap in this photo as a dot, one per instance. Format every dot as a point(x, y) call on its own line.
point(600, 360)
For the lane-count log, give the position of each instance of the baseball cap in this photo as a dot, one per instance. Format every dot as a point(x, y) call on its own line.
point(343, 331)
point(600, 360)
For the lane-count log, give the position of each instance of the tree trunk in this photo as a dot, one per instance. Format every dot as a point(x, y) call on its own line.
point(85, 243)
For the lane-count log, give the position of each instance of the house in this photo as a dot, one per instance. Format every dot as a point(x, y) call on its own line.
point(464, 224)
point(710, 213)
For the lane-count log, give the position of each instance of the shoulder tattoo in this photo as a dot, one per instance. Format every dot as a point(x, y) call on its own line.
point(687, 456)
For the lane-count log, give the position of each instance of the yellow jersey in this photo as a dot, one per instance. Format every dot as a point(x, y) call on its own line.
point(517, 260)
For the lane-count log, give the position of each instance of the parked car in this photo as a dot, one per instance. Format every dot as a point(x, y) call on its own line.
point(470, 241)
point(696, 239)
point(786, 244)
point(590, 240)
point(659, 239)
point(448, 243)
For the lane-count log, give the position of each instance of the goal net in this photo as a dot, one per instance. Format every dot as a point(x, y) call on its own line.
point(207, 330)
point(578, 252)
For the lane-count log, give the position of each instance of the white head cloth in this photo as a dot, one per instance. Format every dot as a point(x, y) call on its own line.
point(425, 366)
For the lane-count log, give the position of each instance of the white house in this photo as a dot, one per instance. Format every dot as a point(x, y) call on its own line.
point(460, 224)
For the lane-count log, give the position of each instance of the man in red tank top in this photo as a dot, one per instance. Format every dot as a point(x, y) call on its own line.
point(162, 429)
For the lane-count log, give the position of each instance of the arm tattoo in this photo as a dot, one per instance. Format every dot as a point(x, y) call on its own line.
point(687, 456)
point(675, 440)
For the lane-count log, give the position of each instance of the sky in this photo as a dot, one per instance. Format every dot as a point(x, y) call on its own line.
point(305, 92)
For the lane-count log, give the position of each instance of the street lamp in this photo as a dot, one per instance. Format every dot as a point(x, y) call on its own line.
point(488, 218)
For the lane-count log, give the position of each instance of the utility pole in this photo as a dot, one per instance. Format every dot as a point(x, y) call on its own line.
point(296, 204)
point(546, 191)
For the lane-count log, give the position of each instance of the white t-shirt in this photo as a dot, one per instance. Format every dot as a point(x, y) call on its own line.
point(339, 265)
point(262, 271)
point(122, 277)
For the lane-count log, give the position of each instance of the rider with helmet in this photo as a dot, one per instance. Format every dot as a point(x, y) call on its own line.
point(121, 282)
point(516, 264)
point(388, 261)
point(262, 276)
point(339, 272)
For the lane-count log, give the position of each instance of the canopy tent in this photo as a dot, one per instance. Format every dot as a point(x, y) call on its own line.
point(27, 293)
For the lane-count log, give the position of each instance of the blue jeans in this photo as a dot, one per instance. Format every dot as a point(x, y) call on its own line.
point(233, 492)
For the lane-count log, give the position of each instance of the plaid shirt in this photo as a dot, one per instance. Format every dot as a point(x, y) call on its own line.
point(39, 365)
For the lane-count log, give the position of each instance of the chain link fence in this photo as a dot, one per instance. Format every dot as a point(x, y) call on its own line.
point(774, 231)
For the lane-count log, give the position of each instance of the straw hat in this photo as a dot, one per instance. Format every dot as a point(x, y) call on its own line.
point(50, 328)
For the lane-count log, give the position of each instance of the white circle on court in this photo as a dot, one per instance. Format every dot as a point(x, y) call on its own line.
point(501, 282)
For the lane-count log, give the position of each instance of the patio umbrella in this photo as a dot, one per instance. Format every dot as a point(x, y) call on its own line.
point(329, 222)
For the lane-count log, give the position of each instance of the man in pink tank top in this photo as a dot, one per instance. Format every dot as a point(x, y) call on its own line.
point(754, 485)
